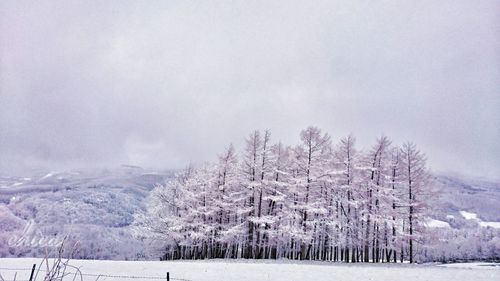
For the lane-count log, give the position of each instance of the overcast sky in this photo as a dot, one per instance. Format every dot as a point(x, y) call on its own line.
point(162, 83)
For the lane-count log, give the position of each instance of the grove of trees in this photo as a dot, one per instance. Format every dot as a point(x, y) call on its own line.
point(312, 201)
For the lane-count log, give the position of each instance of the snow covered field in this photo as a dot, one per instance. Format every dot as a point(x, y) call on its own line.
point(218, 270)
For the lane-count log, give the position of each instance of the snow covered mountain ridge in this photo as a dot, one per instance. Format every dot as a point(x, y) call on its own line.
point(97, 207)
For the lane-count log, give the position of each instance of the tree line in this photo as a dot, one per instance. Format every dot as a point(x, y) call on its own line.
point(311, 201)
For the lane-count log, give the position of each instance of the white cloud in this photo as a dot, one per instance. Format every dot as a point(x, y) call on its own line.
point(78, 81)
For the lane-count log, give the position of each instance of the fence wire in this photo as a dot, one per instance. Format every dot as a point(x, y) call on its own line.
point(97, 275)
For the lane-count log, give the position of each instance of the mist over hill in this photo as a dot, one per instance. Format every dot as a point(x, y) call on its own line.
point(96, 207)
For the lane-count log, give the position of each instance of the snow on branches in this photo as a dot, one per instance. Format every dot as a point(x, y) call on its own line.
point(314, 201)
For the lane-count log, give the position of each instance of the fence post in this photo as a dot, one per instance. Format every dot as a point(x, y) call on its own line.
point(32, 272)
point(168, 276)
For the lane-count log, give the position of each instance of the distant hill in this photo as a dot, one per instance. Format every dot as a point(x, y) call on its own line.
point(97, 207)
point(459, 194)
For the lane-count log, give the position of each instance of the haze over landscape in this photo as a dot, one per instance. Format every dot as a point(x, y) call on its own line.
point(159, 85)
point(250, 140)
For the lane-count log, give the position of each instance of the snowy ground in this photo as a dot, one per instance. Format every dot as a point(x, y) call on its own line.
point(218, 270)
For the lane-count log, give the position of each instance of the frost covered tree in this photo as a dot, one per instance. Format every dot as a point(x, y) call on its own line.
point(252, 182)
point(311, 158)
point(376, 195)
point(346, 195)
point(311, 201)
point(415, 179)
